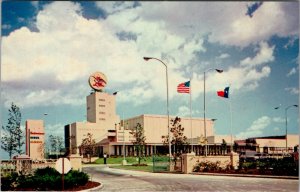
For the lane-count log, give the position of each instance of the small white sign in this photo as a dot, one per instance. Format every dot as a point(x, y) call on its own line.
point(63, 163)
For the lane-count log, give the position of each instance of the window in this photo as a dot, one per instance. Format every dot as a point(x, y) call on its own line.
point(101, 99)
point(101, 119)
point(101, 105)
point(34, 137)
point(101, 112)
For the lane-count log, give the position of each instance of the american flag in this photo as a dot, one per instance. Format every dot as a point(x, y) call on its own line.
point(184, 87)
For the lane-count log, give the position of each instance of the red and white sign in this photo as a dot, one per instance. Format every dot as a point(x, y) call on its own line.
point(97, 81)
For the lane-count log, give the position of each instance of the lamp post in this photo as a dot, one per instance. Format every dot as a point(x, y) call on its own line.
point(167, 83)
point(219, 71)
point(45, 114)
point(57, 150)
point(124, 149)
point(286, 147)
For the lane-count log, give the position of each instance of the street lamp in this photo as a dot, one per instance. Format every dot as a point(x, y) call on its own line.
point(167, 82)
point(286, 147)
point(123, 125)
point(219, 71)
point(124, 149)
point(57, 150)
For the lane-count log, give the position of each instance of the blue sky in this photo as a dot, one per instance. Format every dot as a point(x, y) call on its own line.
point(49, 49)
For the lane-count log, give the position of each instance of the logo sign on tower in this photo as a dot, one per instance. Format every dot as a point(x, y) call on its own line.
point(97, 81)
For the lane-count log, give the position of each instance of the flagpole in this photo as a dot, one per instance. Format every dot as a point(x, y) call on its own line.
point(230, 108)
point(191, 114)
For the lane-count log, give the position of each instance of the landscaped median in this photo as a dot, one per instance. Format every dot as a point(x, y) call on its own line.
point(286, 167)
point(46, 179)
point(266, 168)
point(118, 160)
point(245, 175)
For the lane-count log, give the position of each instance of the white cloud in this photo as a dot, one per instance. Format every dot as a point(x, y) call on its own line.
point(292, 72)
point(264, 55)
point(52, 66)
point(54, 129)
point(226, 22)
point(278, 120)
point(224, 56)
point(292, 90)
point(257, 128)
point(184, 111)
point(112, 7)
point(6, 26)
point(35, 4)
point(277, 129)
point(68, 48)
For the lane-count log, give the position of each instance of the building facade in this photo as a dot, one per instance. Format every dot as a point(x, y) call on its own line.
point(269, 145)
point(113, 136)
point(101, 121)
point(35, 139)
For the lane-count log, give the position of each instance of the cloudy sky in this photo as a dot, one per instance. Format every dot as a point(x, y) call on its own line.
point(49, 49)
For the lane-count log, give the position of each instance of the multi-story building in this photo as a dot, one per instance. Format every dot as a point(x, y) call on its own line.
point(113, 135)
point(35, 139)
point(269, 145)
point(101, 121)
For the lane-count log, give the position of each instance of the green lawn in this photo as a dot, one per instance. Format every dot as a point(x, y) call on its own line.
point(131, 160)
point(118, 160)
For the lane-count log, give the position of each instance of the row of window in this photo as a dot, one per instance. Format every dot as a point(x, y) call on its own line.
point(34, 137)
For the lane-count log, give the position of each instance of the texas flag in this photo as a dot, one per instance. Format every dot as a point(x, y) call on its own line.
point(224, 93)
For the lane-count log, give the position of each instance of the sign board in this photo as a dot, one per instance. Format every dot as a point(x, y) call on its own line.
point(63, 165)
point(97, 81)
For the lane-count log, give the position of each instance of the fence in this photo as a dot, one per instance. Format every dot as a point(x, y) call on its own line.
point(24, 166)
point(162, 164)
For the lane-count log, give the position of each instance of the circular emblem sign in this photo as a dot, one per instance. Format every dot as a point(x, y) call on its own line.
point(97, 81)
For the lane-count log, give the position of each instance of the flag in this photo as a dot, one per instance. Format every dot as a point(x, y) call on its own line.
point(224, 93)
point(184, 87)
point(115, 93)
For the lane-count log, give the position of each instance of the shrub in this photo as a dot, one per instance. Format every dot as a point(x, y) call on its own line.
point(26, 181)
point(75, 178)
point(141, 164)
point(46, 179)
point(46, 171)
point(206, 166)
point(249, 165)
point(285, 166)
point(8, 181)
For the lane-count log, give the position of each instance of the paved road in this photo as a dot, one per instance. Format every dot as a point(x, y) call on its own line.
point(121, 180)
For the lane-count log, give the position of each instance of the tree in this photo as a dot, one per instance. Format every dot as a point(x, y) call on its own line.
point(13, 138)
point(139, 141)
point(87, 145)
point(178, 140)
point(56, 143)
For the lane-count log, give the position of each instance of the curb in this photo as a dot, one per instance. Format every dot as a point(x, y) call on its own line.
point(247, 175)
point(113, 171)
point(95, 188)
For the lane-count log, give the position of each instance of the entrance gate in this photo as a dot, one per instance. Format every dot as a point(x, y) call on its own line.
point(162, 164)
